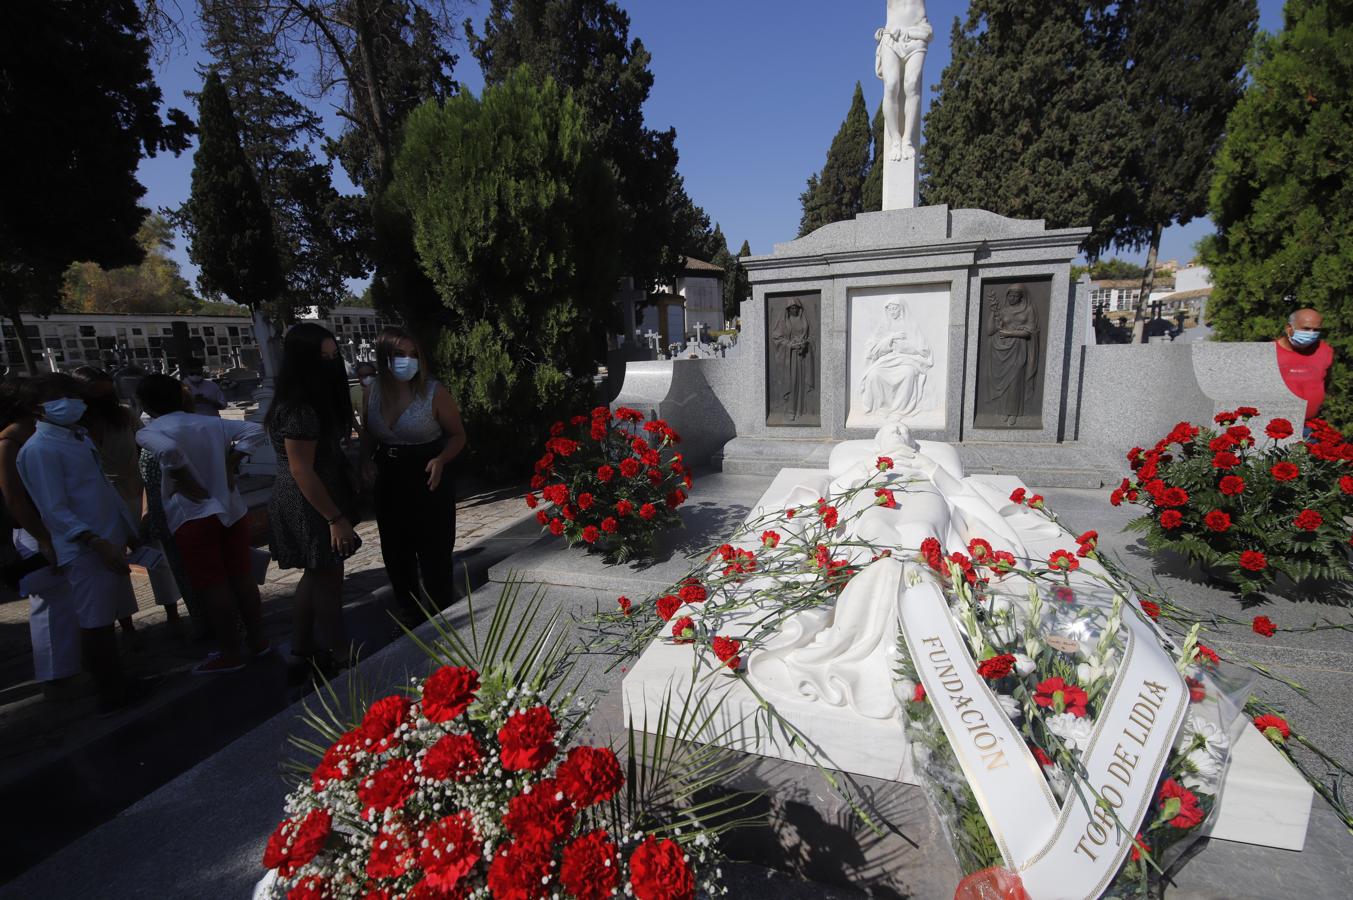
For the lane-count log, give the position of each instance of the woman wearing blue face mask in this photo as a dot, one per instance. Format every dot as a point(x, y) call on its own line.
point(413, 427)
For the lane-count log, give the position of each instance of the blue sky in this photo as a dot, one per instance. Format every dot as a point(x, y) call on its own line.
point(756, 90)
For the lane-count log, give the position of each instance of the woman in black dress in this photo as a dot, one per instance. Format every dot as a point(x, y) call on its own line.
point(313, 505)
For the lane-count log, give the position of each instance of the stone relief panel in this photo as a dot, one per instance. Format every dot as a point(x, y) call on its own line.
point(1012, 353)
point(899, 356)
point(794, 359)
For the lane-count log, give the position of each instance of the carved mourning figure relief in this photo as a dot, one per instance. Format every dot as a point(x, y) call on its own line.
point(1012, 355)
point(899, 358)
point(792, 395)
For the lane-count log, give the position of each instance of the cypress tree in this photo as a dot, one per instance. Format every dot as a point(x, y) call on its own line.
point(1282, 198)
point(872, 194)
point(1030, 119)
point(230, 230)
point(837, 193)
point(736, 287)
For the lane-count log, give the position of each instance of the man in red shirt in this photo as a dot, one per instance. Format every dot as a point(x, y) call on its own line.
point(1304, 359)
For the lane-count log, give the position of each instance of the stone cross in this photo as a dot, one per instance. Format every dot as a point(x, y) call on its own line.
point(653, 339)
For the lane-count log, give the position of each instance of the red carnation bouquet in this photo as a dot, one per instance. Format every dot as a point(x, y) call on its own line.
point(610, 481)
point(1248, 504)
point(467, 786)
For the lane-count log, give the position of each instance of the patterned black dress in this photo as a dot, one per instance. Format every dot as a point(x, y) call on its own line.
point(300, 535)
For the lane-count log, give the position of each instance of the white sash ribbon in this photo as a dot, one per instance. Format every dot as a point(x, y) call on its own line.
point(1075, 851)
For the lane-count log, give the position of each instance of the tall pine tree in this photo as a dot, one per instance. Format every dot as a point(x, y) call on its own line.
point(230, 231)
point(1183, 61)
point(1282, 198)
point(78, 109)
point(585, 46)
point(1030, 118)
point(837, 193)
point(316, 229)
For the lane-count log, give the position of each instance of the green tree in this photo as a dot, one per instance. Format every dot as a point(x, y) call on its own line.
point(316, 229)
point(515, 221)
point(871, 195)
point(584, 45)
point(1183, 63)
point(155, 285)
point(1030, 118)
point(1282, 198)
point(78, 108)
point(230, 230)
point(837, 193)
point(736, 287)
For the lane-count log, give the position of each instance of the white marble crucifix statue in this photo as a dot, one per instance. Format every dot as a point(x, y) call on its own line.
point(899, 60)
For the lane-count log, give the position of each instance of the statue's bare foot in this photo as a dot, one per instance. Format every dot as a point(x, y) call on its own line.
point(895, 152)
point(908, 151)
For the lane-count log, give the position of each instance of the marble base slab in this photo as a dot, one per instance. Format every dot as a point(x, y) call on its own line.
point(1265, 801)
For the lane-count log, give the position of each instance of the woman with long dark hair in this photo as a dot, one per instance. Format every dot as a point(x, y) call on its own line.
point(313, 504)
point(413, 427)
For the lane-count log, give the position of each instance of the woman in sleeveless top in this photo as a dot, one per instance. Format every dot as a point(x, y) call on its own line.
point(413, 431)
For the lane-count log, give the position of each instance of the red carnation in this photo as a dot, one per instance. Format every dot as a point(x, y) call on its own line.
point(591, 534)
point(520, 871)
point(540, 814)
point(658, 871)
point(668, 604)
point(1197, 691)
point(556, 494)
point(1152, 609)
point(1217, 521)
point(629, 467)
point(1225, 461)
point(1221, 443)
point(311, 887)
point(1017, 495)
point(1088, 542)
point(605, 474)
point(391, 854)
point(1346, 484)
point(884, 463)
point(585, 501)
point(337, 762)
point(1279, 429)
point(1224, 418)
point(884, 497)
point(1173, 496)
point(996, 667)
point(1179, 805)
point(1246, 412)
point(1036, 501)
point(449, 692)
point(918, 695)
point(1264, 625)
point(537, 482)
point(727, 649)
point(1002, 561)
point(683, 630)
point(527, 740)
point(531, 501)
point(1275, 728)
point(295, 843)
point(589, 868)
point(1171, 518)
point(933, 553)
point(589, 775)
point(1308, 520)
point(979, 549)
point(1232, 485)
point(381, 722)
point(829, 516)
point(610, 525)
point(541, 517)
point(456, 757)
point(623, 507)
point(693, 592)
point(1253, 561)
point(1063, 560)
point(1207, 655)
point(647, 512)
point(1284, 471)
point(387, 788)
point(1061, 696)
point(625, 605)
point(770, 539)
point(556, 527)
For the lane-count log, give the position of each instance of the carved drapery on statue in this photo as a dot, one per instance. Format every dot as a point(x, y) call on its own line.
point(899, 359)
point(792, 376)
point(1012, 354)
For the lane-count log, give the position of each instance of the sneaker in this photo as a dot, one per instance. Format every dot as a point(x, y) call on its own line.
point(216, 664)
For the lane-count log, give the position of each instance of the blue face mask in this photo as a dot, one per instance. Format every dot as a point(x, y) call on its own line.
point(404, 367)
point(66, 411)
point(1304, 338)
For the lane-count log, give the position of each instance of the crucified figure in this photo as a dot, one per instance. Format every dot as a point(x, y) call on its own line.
point(900, 56)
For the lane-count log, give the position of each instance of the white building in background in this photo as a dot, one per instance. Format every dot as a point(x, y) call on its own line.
point(1175, 288)
point(675, 312)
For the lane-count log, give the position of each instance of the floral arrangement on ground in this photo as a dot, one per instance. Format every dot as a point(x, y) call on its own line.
point(469, 785)
point(1047, 646)
point(610, 481)
point(1247, 506)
